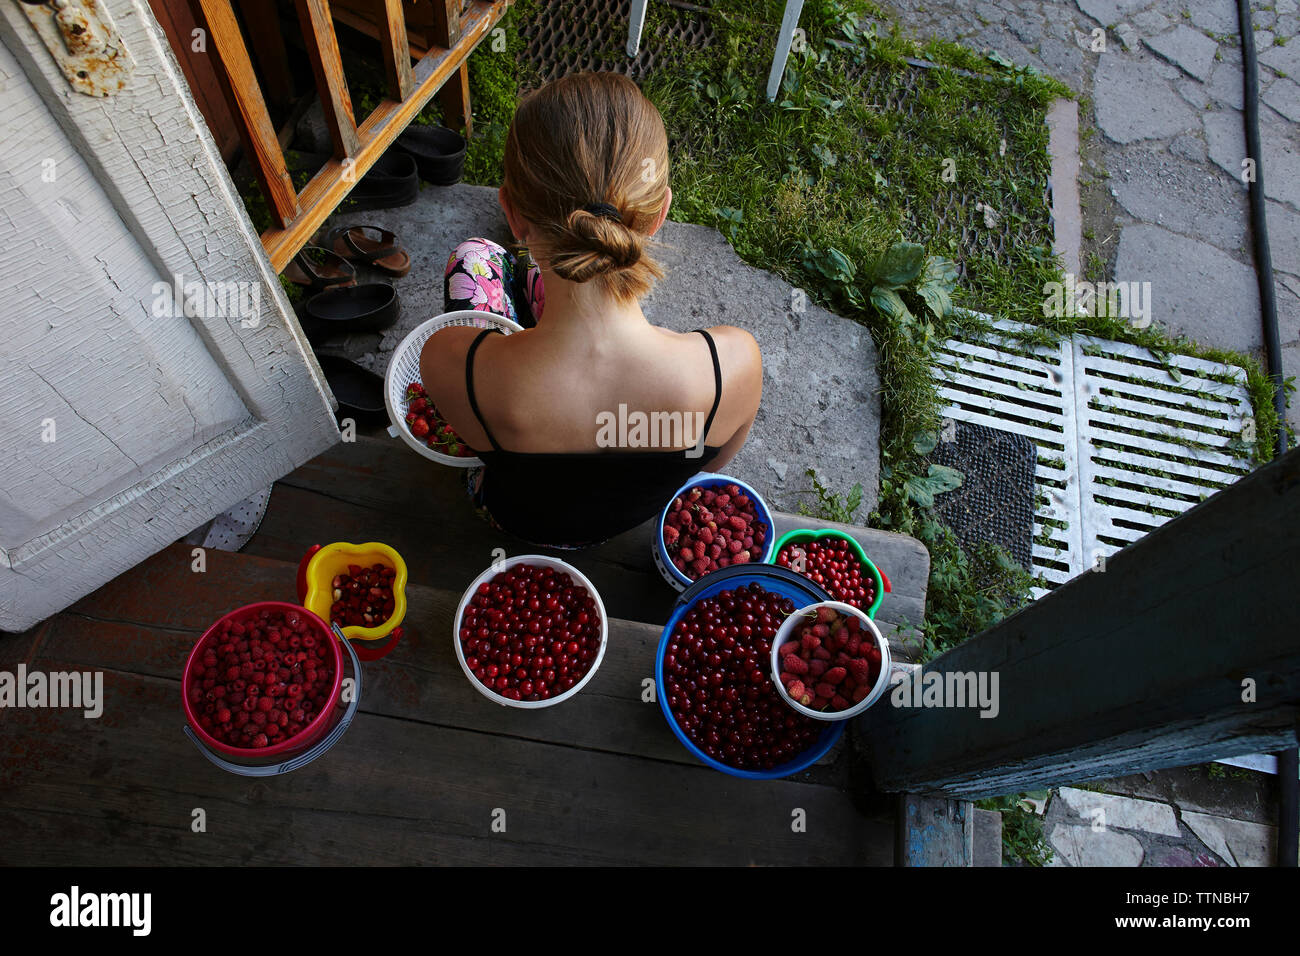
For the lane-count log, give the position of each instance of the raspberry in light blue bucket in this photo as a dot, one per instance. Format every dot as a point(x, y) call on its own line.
point(709, 481)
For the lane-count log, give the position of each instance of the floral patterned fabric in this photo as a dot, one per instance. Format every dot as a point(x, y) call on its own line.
point(483, 275)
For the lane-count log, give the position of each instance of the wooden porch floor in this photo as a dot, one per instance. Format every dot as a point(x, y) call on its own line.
point(428, 764)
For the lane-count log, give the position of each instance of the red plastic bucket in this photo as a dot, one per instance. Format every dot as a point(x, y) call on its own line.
point(313, 740)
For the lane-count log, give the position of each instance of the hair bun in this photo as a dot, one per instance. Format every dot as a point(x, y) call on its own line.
point(599, 244)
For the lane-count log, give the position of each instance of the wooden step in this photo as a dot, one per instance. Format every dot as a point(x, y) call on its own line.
point(417, 778)
point(377, 489)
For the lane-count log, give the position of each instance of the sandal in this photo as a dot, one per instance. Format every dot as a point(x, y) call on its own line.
point(384, 254)
point(317, 269)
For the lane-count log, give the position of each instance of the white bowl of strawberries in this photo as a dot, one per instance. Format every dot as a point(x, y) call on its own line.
point(830, 661)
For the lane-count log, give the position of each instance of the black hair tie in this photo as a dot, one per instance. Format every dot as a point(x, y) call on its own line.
point(604, 209)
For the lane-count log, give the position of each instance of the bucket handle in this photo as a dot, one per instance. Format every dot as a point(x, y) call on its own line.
point(301, 760)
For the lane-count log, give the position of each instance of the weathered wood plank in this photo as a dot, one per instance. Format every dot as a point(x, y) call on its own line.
point(226, 396)
point(1183, 650)
point(177, 21)
point(124, 786)
point(457, 111)
point(331, 84)
point(244, 97)
point(377, 487)
point(396, 50)
point(933, 831)
point(447, 28)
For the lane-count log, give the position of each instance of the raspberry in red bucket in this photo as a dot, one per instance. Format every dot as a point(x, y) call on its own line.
point(832, 563)
point(716, 675)
point(260, 681)
point(710, 528)
point(530, 633)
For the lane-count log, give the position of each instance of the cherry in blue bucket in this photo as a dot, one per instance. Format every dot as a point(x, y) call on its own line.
point(720, 693)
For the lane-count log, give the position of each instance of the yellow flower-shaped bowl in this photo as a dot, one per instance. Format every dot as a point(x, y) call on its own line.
point(320, 565)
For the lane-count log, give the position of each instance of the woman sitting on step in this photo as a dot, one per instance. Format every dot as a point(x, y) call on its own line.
point(554, 411)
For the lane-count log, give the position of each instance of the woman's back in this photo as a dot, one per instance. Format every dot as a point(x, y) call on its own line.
point(587, 422)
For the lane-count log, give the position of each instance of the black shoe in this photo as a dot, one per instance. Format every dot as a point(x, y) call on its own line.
point(392, 181)
point(360, 391)
point(439, 153)
point(372, 307)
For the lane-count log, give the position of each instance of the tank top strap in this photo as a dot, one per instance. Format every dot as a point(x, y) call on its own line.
point(469, 384)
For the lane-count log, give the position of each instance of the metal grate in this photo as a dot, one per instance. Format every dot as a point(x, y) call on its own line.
point(1126, 439)
point(569, 36)
point(955, 210)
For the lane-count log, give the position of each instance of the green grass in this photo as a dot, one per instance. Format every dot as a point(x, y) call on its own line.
point(1023, 843)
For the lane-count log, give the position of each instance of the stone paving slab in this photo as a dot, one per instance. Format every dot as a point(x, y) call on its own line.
point(821, 389)
point(1085, 846)
point(1123, 813)
point(1237, 842)
point(1195, 290)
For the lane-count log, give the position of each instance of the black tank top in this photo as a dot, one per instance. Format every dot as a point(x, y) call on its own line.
point(582, 498)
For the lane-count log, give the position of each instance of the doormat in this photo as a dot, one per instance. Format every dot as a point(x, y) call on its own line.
point(995, 502)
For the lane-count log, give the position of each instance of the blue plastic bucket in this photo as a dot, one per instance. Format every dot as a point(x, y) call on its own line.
point(779, 581)
point(709, 481)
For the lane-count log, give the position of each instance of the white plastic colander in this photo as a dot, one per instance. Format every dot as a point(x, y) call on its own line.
point(404, 368)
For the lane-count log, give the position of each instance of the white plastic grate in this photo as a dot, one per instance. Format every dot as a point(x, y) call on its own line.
point(1126, 439)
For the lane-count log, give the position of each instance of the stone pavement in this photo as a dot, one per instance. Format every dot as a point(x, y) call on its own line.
point(1174, 818)
point(1163, 197)
point(821, 391)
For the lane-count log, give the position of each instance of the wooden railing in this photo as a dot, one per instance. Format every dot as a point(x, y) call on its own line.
point(440, 66)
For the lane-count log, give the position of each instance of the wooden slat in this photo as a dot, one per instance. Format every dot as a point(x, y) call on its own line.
point(454, 100)
point(268, 44)
point(244, 97)
point(598, 779)
point(1183, 650)
point(447, 28)
point(392, 792)
point(367, 26)
point(322, 195)
point(420, 680)
point(396, 50)
point(331, 84)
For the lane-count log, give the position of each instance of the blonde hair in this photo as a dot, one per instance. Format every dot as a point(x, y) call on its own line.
point(584, 139)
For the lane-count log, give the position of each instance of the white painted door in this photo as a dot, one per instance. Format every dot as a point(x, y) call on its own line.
point(128, 418)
